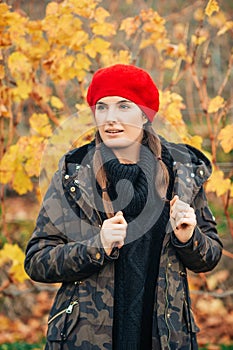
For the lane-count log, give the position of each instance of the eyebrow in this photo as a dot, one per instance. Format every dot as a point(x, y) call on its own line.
point(118, 102)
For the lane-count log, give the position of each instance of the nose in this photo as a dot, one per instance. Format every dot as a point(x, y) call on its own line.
point(111, 115)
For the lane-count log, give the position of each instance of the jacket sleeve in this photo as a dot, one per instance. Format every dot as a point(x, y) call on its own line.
point(203, 251)
point(52, 256)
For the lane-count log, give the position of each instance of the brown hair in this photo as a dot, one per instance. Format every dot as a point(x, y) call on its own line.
point(161, 176)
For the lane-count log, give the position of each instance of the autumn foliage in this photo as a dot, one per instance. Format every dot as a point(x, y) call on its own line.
point(45, 68)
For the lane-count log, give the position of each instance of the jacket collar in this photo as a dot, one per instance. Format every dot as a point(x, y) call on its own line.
point(190, 168)
point(76, 169)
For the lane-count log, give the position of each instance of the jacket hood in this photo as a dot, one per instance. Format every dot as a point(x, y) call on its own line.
point(191, 168)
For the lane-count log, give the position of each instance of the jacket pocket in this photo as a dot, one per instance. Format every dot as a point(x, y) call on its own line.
point(63, 321)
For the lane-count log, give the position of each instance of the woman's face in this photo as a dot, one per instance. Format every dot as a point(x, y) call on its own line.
point(119, 121)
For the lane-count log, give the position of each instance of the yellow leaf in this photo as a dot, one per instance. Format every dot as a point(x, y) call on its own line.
point(198, 40)
point(157, 39)
point(2, 72)
point(64, 68)
point(195, 141)
point(151, 16)
point(112, 57)
point(96, 45)
point(169, 64)
point(33, 148)
point(84, 8)
point(40, 123)
point(21, 182)
point(100, 27)
point(211, 7)
point(52, 8)
point(81, 107)
point(177, 50)
point(130, 25)
point(199, 14)
point(171, 105)
point(215, 104)
point(42, 91)
point(3, 9)
point(3, 111)
point(79, 38)
point(231, 191)
point(82, 65)
point(218, 20)
point(56, 102)
point(105, 29)
point(213, 280)
point(226, 138)
point(5, 40)
point(217, 183)
point(182, 51)
point(123, 56)
point(66, 25)
point(101, 14)
point(49, 26)
point(145, 43)
point(7, 164)
point(17, 25)
point(19, 65)
point(23, 90)
point(38, 50)
point(227, 26)
point(18, 162)
point(12, 253)
point(212, 307)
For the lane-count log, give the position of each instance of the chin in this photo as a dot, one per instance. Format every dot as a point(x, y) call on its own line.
point(117, 144)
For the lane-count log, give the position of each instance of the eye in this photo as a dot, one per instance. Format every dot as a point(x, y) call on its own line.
point(124, 106)
point(100, 107)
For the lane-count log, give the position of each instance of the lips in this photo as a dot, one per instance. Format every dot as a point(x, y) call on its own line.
point(113, 131)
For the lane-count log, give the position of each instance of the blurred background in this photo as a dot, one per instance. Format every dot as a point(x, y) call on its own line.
point(48, 53)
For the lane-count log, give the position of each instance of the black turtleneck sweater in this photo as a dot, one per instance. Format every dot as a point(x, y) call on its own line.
point(132, 190)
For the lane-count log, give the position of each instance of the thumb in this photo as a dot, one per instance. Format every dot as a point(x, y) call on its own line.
point(174, 199)
point(119, 213)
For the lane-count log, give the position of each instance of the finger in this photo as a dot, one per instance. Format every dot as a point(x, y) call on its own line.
point(119, 244)
point(181, 206)
point(114, 231)
point(180, 209)
point(174, 199)
point(119, 219)
point(184, 216)
point(185, 222)
point(119, 215)
point(114, 241)
point(117, 229)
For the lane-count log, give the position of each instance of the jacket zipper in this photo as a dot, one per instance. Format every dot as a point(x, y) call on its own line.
point(68, 310)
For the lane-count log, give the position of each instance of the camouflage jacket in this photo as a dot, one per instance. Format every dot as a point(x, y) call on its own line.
point(65, 247)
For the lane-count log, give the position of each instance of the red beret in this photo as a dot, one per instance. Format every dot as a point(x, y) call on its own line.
point(127, 81)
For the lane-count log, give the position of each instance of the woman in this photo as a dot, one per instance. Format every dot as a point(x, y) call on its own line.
point(123, 218)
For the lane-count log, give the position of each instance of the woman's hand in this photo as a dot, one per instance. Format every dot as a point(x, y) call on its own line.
point(113, 232)
point(183, 219)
